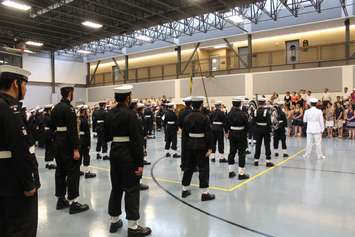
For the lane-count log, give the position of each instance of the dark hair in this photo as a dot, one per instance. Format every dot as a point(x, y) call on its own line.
point(314, 104)
point(237, 103)
point(121, 97)
point(65, 91)
point(188, 103)
point(196, 104)
point(6, 79)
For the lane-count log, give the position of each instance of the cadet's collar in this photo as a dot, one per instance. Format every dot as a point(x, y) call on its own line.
point(9, 99)
point(65, 100)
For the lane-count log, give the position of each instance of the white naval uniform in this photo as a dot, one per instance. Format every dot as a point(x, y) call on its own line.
point(315, 127)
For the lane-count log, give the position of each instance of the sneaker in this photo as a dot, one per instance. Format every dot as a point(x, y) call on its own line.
point(115, 226)
point(90, 175)
point(167, 154)
point(62, 203)
point(243, 176)
point(143, 187)
point(223, 160)
point(207, 197)
point(276, 154)
point(176, 155)
point(256, 163)
point(269, 164)
point(140, 231)
point(185, 193)
point(232, 174)
point(285, 155)
point(76, 207)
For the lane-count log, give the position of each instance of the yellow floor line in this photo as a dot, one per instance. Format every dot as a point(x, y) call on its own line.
point(264, 172)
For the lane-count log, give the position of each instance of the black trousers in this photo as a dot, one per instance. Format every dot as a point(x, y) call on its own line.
point(280, 135)
point(131, 199)
point(196, 158)
point(171, 140)
point(183, 156)
point(49, 152)
point(158, 122)
point(18, 216)
point(260, 135)
point(251, 131)
point(101, 145)
point(67, 174)
point(84, 155)
point(218, 136)
point(237, 145)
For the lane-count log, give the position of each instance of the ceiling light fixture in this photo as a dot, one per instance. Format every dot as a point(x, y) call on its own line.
point(236, 19)
point(82, 51)
point(33, 43)
point(144, 38)
point(28, 51)
point(91, 24)
point(16, 5)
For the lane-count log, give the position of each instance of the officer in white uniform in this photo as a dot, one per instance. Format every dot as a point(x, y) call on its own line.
point(315, 127)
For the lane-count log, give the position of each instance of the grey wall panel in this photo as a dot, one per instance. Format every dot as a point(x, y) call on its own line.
point(220, 86)
point(141, 90)
point(314, 79)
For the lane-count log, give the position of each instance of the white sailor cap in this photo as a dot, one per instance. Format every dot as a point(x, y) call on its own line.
point(33, 110)
point(123, 89)
point(313, 100)
point(48, 106)
point(262, 99)
point(140, 105)
point(238, 99)
point(197, 98)
point(187, 99)
point(38, 107)
point(83, 107)
point(171, 104)
point(79, 106)
point(15, 70)
point(41, 110)
point(64, 86)
point(218, 102)
point(134, 101)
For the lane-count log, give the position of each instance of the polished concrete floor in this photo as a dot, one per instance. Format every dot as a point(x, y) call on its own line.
point(296, 198)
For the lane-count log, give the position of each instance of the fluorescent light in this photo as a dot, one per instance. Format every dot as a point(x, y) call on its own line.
point(33, 43)
point(236, 19)
point(91, 24)
point(82, 51)
point(144, 38)
point(16, 5)
point(28, 51)
point(221, 46)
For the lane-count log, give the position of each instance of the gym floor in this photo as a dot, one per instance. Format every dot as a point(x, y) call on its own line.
point(297, 197)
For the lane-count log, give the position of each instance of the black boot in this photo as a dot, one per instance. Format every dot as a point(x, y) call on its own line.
point(98, 156)
point(213, 160)
point(89, 175)
point(143, 187)
point(256, 163)
point(139, 232)
point(52, 167)
point(76, 207)
point(167, 154)
point(106, 158)
point(146, 162)
point(285, 155)
point(243, 176)
point(115, 226)
point(269, 164)
point(81, 173)
point(207, 197)
point(276, 154)
point(176, 155)
point(223, 160)
point(62, 203)
point(185, 193)
point(232, 174)
point(247, 152)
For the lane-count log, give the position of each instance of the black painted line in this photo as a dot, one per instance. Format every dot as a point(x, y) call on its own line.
point(200, 210)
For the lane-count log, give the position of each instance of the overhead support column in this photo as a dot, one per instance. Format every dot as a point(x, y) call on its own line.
point(347, 39)
point(53, 72)
point(126, 69)
point(191, 57)
point(230, 46)
point(87, 74)
point(250, 51)
point(94, 73)
point(178, 63)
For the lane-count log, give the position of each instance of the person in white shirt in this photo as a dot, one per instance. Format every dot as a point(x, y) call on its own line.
point(346, 94)
point(315, 127)
point(326, 98)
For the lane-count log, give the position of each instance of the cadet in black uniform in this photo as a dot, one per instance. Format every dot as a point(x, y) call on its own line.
point(126, 159)
point(237, 124)
point(66, 152)
point(99, 120)
point(280, 130)
point(197, 149)
point(48, 138)
point(85, 141)
point(218, 120)
point(158, 118)
point(182, 115)
point(19, 180)
point(262, 122)
point(148, 120)
point(171, 128)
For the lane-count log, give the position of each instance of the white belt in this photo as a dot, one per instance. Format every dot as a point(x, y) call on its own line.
point(171, 122)
point(81, 133)
point(5, 154)
point(217, 123)
point(261, 124)
point(158, 116)
point(281, 121)
point(46, 128)
point(100, 121)
point(147, 116)
point(197, 135)
point(61, 129)
point(32, 150)
point(121, 139)
point(237, 128)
